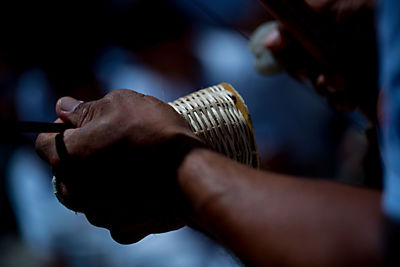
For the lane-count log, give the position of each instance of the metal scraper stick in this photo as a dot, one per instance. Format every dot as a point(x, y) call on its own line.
point(34, 127)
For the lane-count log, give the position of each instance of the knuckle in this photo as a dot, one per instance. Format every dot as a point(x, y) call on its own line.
point(44, 146)
point(122, 94)
point(105, 124)
point(40, 143)
point(115, 94)
point(85, 113)
point(104, 106)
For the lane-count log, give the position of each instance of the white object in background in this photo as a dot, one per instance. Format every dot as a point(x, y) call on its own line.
point(265, 61)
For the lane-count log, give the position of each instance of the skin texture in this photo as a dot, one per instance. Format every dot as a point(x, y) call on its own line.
point(135, 168)
point(269, 219)
point(122, 144)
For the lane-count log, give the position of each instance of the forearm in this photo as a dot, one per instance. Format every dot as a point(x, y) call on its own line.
point(267, 218)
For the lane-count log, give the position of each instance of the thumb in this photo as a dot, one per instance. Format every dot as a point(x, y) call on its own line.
point(67, 110)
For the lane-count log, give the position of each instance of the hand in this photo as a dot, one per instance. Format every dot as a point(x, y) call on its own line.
point(121, 162)
point(347, 32)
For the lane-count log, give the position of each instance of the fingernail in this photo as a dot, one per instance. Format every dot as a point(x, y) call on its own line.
point(68, 104)
point(273, 39)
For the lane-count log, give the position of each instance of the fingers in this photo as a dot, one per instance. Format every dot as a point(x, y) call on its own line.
point(54, 147)
point(320, 5)
point(46, 148)
point(72, 111)
point(333, 87)
point(286, 50)
point(275, 40)
point(45, 144)
point(136, 232)
point(331, 83)
point(79, 141)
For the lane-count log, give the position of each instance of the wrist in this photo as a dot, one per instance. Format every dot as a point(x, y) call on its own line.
point(178, 149)
point(189, 174)
point(204, 181)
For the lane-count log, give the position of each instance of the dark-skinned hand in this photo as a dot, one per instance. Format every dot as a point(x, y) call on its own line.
point(118, 165)
point(347, 32)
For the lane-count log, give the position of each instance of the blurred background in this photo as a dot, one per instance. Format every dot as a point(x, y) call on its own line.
point(164, 48)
